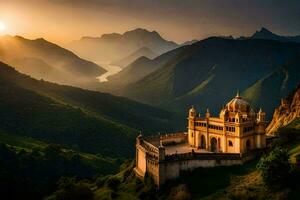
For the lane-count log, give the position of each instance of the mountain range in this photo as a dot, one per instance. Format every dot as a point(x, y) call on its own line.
point(209, 72)
point(142, 52)
point(114, 47)
point(266, 34)
point(42, 59)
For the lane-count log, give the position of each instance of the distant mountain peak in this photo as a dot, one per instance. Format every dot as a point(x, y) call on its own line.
point(111, 36)
point(265, 30)
point(141, 52)
point(139, 30)
point(142, 32)
point(115, 46)
point(17, 37)
point(266, 34)
point(263, 33)
point(42, 40)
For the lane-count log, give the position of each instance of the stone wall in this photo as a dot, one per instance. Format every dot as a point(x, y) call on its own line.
point(152, 159)
point(174, 138)
point(174, 164)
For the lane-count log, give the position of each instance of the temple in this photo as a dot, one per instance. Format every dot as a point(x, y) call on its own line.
point(229, 139)
point(238, 128)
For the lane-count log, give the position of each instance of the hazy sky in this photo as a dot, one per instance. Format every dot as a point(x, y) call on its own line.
point(179, 20)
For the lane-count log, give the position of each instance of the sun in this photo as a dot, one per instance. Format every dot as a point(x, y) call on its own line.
point(2, 26)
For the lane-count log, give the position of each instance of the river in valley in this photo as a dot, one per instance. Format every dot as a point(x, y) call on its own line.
point(111, 70)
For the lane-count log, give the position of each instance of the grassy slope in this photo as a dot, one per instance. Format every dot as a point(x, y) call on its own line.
point(31, 169)
point(270, 89)
point(28, 144)
point(83, 120)
point(295, 147)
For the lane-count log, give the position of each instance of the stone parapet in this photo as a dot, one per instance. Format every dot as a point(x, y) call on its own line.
point(203, 156)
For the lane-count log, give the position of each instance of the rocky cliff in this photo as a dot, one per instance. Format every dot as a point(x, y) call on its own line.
point(288, 110)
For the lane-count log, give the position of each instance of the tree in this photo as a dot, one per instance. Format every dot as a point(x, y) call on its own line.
point(275, 167)
point(70, 189)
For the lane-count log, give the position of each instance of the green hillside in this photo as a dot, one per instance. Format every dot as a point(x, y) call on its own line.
point(136, 71)
point(50, 131)
point(209, 72)
point(81, 119)
point(268, 91)
point(30, 168)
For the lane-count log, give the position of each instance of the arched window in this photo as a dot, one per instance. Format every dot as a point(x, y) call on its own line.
point(230, 143)
point(202, 142)
point(213, 144)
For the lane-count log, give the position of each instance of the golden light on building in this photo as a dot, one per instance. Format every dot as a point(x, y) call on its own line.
point(229, 139)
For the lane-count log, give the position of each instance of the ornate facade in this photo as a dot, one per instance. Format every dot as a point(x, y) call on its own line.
point(210, 141)
point(238, 128)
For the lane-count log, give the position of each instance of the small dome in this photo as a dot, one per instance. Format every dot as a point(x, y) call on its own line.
point(238, 104)
point(192, 109)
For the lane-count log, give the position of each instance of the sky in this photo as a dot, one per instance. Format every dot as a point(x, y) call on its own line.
point(62, 21)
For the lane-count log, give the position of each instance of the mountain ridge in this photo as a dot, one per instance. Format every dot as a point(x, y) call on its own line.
point(197, 60)
point(141, 52)
point(115, 46)
point(264, 33)
point(66, 67)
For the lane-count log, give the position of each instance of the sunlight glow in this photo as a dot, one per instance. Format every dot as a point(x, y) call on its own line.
point(2, 26)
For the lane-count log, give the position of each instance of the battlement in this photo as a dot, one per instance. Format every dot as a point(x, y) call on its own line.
point(167, 139)
point(204, 156)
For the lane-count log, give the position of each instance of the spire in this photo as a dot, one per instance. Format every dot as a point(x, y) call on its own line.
point(207, 113)
point(238, 94)
point(161, 143)
point(192, 108)
point(140, 135)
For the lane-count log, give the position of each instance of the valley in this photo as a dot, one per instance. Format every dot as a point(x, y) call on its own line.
point(110, 70)
point(150, 100)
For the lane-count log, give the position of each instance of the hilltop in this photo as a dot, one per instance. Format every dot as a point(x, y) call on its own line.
point(42, 59)
point(266, 34)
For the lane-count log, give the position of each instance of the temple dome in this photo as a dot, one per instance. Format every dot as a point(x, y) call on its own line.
point(238, 104)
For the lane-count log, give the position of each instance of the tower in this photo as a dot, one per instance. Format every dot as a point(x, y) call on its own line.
point(191, 126)
point(261, 116)
point(207, 114)
point(260, 129)
point(162, 151)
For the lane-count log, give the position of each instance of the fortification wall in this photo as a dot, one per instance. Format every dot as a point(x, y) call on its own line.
point(175, 164)
point(151, 158)
point(174, 138)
